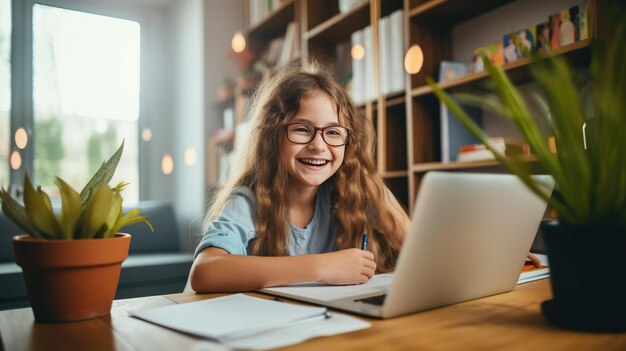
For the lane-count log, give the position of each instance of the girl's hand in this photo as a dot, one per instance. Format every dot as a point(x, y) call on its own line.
point(351, 266)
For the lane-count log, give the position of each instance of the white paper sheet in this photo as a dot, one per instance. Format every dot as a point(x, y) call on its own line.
point(338, 324)
point(324, 292)
point(246, 322)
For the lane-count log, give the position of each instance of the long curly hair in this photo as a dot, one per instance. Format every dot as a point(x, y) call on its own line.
point(359, 192)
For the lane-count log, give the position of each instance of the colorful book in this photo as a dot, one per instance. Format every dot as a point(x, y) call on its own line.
point(542, 36)
point(569, 26)
point(493, 51)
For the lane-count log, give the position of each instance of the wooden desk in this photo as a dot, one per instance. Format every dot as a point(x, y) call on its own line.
point(509, 321)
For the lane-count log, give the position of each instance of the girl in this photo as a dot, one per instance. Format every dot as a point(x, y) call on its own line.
point(302, 196)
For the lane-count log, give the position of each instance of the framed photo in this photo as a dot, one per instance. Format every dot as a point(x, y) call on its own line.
point(493, 51)
point(449, 70)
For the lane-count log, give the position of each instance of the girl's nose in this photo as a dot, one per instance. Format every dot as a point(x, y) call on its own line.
point(318, 142)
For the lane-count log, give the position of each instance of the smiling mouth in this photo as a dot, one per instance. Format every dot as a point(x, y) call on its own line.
point(314, 163)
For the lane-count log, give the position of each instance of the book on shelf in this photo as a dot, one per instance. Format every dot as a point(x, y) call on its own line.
point(542, 36)
point(343, 64)
point(454, 134)
point(384, 42)
point(569, 26)
point(272, 51)
point(449, 70)
point(259, 9)
point(347, 5)
point(563, 28)
point(493, 51)
point(479, 152)
point(288, 47)
point(358, 69)
point(511, 44)
point(396, 51)
point(369, 92)
point(391, 44)
point(583, 22)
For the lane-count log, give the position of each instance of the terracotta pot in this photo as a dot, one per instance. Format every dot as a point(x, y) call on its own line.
point(588, 277)
point(71, 280)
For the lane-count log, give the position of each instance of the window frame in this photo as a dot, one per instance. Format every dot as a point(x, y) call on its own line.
point(22, 103)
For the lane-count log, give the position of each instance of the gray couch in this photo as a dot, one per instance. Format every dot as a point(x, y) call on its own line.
point(155, 264)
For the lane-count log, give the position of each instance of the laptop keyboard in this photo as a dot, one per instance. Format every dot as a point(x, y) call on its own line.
point(374, 300)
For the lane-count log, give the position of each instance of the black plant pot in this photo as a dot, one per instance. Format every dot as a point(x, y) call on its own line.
point(588, 277)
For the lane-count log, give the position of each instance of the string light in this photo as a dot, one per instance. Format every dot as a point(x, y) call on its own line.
point(357, 52)
point(16, 160)
point(146, 134)
point(21, 138)
point(190, 156)
point(414, 59)
point(238, 43)
point(167, 164)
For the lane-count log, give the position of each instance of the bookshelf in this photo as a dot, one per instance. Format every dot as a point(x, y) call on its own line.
point(407, 120)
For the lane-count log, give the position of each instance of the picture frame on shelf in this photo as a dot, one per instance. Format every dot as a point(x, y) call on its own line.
point(449, 70)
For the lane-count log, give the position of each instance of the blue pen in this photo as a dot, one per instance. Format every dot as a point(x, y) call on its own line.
point(364, 242)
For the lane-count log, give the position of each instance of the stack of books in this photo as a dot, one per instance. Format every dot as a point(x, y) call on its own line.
point(479, 152)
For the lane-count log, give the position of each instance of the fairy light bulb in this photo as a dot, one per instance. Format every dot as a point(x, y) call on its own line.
point(357, 52)
point(190, 156)
point(16, 160)
point(414, 59)
point(21, 138)
point(146, 134)
point(167, 164)
point(238, 43)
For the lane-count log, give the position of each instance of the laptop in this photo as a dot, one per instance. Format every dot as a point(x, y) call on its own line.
point(468, 238)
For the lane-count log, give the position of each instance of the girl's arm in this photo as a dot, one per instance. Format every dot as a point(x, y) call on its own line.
point(215, 270)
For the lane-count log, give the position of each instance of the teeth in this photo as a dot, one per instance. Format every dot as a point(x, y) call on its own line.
point(314, 162)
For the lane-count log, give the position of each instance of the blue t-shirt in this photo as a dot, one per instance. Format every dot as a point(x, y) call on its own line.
point(234, 230)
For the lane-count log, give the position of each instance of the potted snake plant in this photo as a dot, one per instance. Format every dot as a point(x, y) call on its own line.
point(586, 244)
point(72, 262)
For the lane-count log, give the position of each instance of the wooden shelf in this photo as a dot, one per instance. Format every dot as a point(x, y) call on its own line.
point(453, 166)
point(222, 137)
point(407, 123)
point(451, 12)
point(340, 27)
point(394, 174)
point(275, 22)
point(395, 99)
point(578, 53)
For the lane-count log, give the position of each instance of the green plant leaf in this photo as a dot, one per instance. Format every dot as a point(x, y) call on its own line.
point(114, 213)
point(130, 218)
point(17, 213)
point(70, 208)
point(39, 211)
point(96, 212)
point(103, 175)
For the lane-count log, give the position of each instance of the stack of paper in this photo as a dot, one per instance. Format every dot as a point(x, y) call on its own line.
point(246, 322)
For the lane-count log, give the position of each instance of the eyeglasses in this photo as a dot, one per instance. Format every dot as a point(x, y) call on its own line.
point(304, 133)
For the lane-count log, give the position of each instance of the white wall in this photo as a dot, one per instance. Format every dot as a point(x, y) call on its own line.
point(201, 32)
point(188, 110)
point(156, 108)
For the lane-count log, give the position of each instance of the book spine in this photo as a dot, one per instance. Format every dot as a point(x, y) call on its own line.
point(368, 65)
point(357, 69)
point(384, 44)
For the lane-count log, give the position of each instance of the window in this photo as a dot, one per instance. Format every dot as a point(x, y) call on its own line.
point(5, 90)
point(85, 96)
